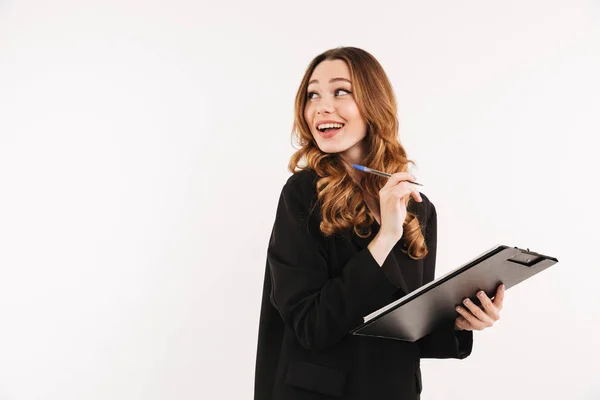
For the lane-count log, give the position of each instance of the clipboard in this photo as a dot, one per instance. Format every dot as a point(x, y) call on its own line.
point(423, 310)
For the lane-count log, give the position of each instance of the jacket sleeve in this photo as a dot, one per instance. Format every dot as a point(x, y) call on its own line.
point(319, 309)
point(444, 342)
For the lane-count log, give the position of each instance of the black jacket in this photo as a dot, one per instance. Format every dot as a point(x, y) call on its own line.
point(316, 289)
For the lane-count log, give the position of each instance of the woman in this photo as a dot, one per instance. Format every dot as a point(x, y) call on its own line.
point(346, 243)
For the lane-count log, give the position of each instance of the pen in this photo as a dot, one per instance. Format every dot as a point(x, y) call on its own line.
point(375, 172)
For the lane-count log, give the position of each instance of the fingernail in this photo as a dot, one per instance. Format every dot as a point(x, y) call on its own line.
point(480, 294)
point(466, 301)
point(457, 308)
point(502, 287)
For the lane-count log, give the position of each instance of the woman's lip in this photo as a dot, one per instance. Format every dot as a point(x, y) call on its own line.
point(329, 134)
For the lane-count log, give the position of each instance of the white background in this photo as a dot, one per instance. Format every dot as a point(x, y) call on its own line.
point(144, 144)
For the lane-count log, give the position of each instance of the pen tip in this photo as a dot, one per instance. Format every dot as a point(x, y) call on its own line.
point(360, 167)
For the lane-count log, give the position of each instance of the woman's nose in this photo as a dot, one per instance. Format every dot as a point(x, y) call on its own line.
point(325, 105)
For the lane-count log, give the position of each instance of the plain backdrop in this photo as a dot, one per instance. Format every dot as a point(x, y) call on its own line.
point(144, 144)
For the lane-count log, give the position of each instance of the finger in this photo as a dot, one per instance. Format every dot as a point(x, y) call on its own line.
point(478, 312)
point(487, 305)
point(417, 196)
point(475, 322)
point(398, 177)
point(499, 298)
point(463, 324)
point(404, 188)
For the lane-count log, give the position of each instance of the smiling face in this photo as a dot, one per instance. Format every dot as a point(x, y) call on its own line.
point(330, 100)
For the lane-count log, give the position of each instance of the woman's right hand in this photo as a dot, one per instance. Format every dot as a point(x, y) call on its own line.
point(392, 211)
point(391, 204)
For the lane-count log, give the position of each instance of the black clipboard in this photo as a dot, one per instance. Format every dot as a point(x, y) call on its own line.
point(423, 310)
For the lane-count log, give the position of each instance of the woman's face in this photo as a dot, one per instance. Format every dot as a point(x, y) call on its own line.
point(330, 99)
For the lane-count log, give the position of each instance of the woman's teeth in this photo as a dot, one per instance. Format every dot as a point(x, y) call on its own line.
point(325, 127)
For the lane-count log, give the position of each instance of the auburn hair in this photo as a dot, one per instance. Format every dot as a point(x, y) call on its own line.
point(342, 203)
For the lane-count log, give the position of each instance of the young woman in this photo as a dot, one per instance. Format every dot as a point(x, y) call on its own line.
point(346, 243)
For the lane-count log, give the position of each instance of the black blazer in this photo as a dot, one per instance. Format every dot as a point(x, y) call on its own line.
point(316, 289)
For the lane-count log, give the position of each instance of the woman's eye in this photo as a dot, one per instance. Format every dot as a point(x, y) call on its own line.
point(309, 95)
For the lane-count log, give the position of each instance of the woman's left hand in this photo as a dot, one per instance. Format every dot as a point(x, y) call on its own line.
point(473, 317)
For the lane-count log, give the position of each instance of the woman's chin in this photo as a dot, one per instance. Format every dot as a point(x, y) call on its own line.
point(331, 149)
point(328, 146)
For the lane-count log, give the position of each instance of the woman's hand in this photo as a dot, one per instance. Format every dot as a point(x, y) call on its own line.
point(391, 204)
point(473, 317)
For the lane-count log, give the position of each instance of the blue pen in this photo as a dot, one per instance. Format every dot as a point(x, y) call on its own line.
point(374, 171)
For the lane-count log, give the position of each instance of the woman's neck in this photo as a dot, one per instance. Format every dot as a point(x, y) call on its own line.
point(354, 174)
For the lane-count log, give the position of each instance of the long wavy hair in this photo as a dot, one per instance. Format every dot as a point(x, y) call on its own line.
point(342, 202)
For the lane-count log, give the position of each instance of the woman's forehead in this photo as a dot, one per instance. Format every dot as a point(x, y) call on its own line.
point(329, 70)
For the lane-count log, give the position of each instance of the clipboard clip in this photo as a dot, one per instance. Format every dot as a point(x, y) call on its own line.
point(526, 258)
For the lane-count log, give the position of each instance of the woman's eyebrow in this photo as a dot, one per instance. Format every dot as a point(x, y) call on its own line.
point(331, 80)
